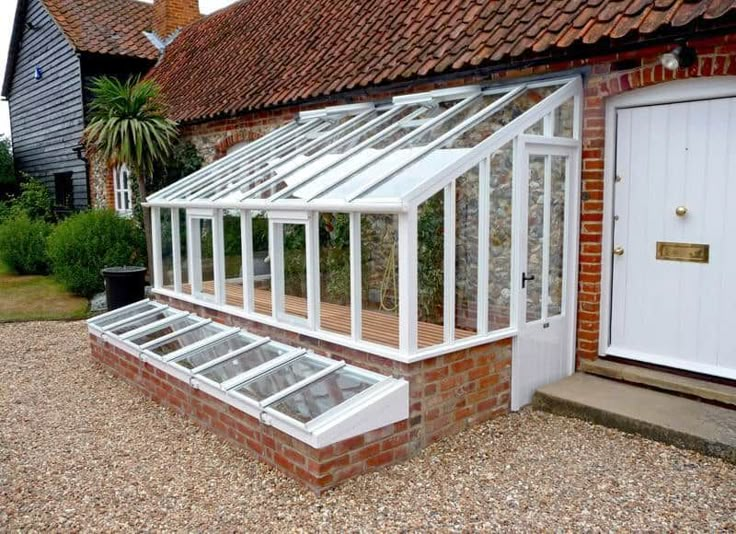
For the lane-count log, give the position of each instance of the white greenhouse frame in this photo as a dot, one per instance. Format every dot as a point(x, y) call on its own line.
point(385, 401)
point(292, 175)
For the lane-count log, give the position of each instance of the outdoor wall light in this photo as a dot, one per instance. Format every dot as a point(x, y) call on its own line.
point(680, 58)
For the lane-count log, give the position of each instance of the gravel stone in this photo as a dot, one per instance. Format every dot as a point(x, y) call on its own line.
point(82, 450)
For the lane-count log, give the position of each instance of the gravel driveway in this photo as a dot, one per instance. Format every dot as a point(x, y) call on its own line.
point(80, 450)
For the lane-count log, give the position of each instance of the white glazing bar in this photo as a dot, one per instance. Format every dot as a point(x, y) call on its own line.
point(226, 162)
point(246, 376)
point(367, 143)
point(158, 308)
point(437, 143)
point(168, 337)
point(392, 205)
point(301, 384)
point(566, 230)
point(356, 300)
point(519, 182)
point(224, 334)
point(577, 115)
point(154, 326)
point(156, 246)
point(408, 282)
point(246, 251)
point(327, 134)
point(176, 249)
point(449, 261)
point(431, 123)
point(240, 176)
point(380, 119)
point(546, 220)
point(313, 274)
point(548, 125)
point(484, 198)
point(218, 253)
point(230, 355)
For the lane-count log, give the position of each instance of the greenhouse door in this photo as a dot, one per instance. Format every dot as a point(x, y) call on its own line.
point(547, 198)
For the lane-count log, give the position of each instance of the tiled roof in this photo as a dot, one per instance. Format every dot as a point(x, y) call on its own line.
point(113, 27)
point(261, 53)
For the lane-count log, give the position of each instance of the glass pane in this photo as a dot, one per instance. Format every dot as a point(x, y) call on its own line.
point(207, 255)
point(143, 321)
point(334, 268)
point(466, 254)
point(431, 270)
point(563, 119)
point(324, 394)
point(233, 258)
point(499, 256)
point(380, 279)
point(183, 246)
point(281, 378)
point(557, 235)
point(243, 362)
point(167, 252)
point(186, 339)
point(163, 331)
point(295, 270)
point(536, 129)
point(124, 314)
point(214, 351)
point(261, 265)
point(535, 237)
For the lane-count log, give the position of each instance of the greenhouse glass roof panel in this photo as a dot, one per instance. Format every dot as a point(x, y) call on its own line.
point(216, 350)
point(244, 362)
point(184, 340)
point(281, 378)
point(164, 330)
point(351, 157)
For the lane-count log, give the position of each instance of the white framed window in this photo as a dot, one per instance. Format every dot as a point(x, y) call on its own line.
point(122, 191)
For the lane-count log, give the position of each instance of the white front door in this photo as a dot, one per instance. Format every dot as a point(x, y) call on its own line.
point(673, 297)
point(543, 350)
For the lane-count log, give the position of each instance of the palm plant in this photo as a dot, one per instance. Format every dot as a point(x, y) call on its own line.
point(128, 126)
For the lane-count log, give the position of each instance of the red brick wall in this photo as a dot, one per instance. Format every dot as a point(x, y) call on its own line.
point(448, 393)
point(318, 469)
point(170, 15)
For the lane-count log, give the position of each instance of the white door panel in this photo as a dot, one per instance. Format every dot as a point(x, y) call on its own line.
point(675, 312)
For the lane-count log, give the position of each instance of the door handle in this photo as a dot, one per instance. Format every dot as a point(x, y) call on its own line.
point(618, 251)
point(525, 279)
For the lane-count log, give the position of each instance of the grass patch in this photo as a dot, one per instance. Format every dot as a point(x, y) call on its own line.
point(37, 298)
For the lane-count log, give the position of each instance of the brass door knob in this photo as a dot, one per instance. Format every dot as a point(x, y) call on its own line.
point(618, 251)
point(680, 211)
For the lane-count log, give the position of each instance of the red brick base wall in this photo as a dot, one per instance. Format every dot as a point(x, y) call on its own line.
point(319, 469)
point(448, 393)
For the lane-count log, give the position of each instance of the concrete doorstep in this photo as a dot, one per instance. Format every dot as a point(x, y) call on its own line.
point(678, 421)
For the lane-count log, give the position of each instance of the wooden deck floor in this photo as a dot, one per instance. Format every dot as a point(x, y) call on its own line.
point(378, 327)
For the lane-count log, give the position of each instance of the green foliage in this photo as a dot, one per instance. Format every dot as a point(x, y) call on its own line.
point(260, 233)
point(7, 167)
point(128, 124)
point(430, 282)
point(85, 243)
point(23, 244)
point(34, 201)
point(334, 239)
point(183, 161)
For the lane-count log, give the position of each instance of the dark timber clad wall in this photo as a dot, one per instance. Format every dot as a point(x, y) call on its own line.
point(47, 115)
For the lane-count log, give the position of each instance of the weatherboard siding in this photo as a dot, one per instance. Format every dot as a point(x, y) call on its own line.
point(47, 117)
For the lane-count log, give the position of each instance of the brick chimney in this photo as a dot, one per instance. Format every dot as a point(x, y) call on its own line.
point(170, 15)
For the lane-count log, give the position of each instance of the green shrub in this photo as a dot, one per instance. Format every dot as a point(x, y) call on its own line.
point(85, 243)
point(34, 201)
point(23, 244)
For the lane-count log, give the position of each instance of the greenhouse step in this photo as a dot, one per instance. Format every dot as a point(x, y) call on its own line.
point(662, 380)
point(671, 419)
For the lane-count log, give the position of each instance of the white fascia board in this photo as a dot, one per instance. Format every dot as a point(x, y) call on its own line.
point(342, 206)
point(336, 110)
point(438, 94)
